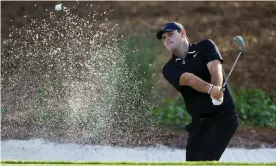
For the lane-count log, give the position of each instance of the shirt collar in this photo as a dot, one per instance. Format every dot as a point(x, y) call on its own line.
point(191, 51)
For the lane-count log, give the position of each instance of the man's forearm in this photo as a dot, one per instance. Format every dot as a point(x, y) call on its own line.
point(217, 78)
point(215, 69)
point(189, 79)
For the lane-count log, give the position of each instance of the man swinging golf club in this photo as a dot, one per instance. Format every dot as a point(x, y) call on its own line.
point(195, 70)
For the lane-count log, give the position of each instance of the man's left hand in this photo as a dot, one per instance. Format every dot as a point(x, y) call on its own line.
point(216, 92)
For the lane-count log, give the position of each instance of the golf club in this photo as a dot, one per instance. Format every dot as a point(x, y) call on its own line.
point(238, 40)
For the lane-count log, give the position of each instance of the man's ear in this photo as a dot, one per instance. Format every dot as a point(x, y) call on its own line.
point(183, 33)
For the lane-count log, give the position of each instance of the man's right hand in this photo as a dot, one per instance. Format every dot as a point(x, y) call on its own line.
point(216, 92)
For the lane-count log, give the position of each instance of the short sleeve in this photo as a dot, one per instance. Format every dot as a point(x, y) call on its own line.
point(211, 51)
point(172, 75)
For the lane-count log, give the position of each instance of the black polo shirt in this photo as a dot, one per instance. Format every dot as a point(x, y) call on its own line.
point(198, 104)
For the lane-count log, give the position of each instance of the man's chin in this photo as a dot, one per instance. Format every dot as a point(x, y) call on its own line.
point(170, 48)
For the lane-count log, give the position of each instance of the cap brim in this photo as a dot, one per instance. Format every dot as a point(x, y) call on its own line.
point(159, 33)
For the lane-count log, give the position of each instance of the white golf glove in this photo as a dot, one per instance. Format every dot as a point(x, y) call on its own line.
point(217, 102)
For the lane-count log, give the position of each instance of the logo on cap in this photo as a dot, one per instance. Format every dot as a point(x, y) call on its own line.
point(164, 27)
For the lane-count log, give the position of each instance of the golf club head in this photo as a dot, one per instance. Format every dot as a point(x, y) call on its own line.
point(239, 41)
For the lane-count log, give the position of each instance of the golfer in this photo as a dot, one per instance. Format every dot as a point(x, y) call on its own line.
point(195, 70)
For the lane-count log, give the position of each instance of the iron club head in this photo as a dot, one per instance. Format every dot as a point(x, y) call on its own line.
point(239, 41)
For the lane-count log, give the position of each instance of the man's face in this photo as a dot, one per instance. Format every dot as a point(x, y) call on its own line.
point(172, 40)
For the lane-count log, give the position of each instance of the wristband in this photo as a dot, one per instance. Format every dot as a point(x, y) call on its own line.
point(210, 89)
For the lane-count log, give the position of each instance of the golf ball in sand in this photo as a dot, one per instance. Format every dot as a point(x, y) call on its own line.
point(58, 7)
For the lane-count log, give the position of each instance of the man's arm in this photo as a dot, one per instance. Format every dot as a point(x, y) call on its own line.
point(215, 69)
point(189, 79)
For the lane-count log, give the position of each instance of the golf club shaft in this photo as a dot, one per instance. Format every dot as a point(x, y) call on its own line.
point(225, 82)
